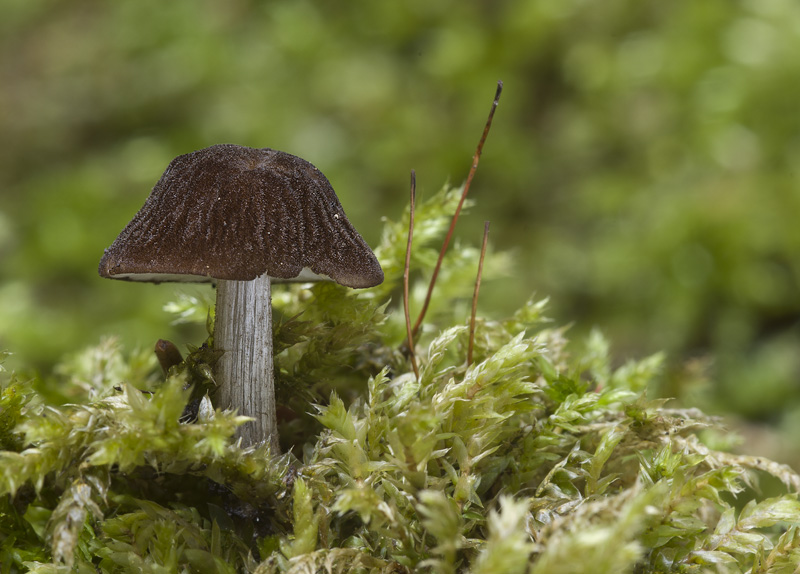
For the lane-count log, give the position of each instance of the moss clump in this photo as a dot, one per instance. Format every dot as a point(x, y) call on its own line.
point(537, 457)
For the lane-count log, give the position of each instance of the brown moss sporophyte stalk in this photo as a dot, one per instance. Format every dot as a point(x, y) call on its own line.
point(242, 217)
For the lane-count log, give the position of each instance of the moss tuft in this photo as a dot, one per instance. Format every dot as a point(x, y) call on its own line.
point(537, 457)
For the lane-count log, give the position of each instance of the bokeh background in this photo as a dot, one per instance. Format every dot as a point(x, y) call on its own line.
point(644, 163)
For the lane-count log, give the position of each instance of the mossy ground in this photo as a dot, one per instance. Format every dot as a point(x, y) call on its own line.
point(538, 457)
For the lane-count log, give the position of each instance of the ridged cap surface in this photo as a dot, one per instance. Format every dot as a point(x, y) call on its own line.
point(233, 212)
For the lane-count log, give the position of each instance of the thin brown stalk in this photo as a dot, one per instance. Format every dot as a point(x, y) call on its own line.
point(475, 159)
point(406, 268)
point(475, 294)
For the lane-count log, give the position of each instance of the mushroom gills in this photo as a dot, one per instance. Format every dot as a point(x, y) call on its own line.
point(305, 275)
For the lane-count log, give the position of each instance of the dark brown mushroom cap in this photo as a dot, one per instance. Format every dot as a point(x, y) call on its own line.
point(232, 212)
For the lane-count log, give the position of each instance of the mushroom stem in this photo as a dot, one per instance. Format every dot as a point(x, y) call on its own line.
point(243, 330)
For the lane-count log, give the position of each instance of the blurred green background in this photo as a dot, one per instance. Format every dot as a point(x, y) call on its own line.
point(644, 163)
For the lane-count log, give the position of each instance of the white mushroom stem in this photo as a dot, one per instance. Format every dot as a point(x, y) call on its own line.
point(243, 330)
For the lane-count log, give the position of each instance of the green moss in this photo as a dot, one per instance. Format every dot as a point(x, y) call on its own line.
point(537, 457)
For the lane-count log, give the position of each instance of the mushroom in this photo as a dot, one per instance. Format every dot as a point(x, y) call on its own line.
point(242, 217)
